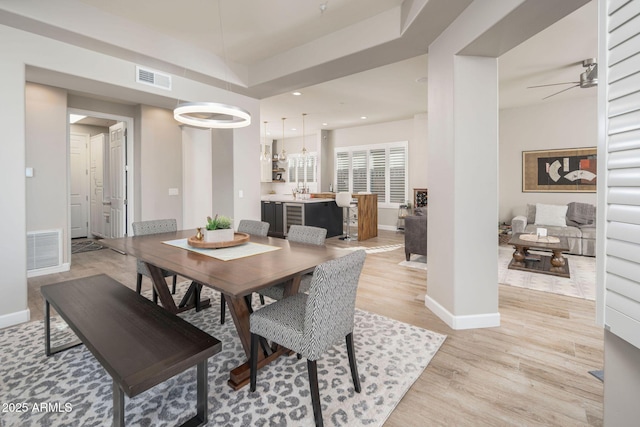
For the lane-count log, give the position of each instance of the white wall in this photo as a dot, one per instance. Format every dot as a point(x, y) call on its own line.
point(555, 124)
point(74, 68)
point(160, 141)
point(48, 155)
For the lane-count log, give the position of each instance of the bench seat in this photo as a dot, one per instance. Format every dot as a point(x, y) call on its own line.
point(137, 342)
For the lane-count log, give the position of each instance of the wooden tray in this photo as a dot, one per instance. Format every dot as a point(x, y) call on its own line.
point(238, 239)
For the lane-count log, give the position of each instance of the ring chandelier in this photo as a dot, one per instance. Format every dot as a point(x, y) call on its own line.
point(212, 115)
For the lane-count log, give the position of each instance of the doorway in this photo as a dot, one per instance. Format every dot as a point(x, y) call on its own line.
point(100, 175)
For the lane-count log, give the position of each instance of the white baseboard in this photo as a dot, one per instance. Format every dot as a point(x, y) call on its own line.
point(473, 321)
point(50, 270)
point(15, 318)
point(387, 227)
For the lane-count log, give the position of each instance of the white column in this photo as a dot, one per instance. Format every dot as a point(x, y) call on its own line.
point(197, 177)
point(463, 206)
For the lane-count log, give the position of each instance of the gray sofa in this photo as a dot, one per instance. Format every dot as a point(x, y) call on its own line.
point(415, 233)
point(580, 229)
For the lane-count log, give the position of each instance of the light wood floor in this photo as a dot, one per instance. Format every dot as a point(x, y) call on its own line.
point(532, 370)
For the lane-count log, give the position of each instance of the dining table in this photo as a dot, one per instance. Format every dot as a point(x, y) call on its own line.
point(275, 261)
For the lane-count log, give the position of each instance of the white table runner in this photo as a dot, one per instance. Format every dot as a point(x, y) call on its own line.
point(226, 254)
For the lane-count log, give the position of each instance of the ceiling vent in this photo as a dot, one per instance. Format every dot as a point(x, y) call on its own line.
point(153, 78)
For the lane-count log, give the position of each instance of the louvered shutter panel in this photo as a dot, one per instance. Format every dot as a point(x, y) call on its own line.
point(359, 168)
point(342, 171)
point(622, 214)
point(311, 167)
point(397, 175)
point(377, 166)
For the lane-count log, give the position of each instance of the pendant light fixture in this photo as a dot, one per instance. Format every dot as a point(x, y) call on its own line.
point(304, 149)
point(283, 153)
point(213, 114)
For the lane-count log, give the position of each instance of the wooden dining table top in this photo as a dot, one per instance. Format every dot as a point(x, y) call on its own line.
point(237, 277)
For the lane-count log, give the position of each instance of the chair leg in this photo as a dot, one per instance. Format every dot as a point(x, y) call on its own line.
point(223, 307)
point(352, 362)
point(253, 363)
point(155, 295)
point(247, 300)
point(261, 299)
point(173, 291)
point(312, 368)
point(139, 283)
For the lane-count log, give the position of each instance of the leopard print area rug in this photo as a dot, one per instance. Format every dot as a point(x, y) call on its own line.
point(72, 389)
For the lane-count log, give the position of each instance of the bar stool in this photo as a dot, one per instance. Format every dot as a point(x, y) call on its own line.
point(343, 199)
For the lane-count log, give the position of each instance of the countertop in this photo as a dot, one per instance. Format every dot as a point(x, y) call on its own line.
point(289, 199)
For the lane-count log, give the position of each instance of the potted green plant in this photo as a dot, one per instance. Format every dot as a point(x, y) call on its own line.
point(218, 229)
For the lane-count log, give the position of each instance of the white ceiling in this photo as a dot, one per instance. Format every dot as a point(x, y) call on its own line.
point(357, 58)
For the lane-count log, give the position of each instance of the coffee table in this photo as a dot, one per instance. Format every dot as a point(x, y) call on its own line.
point(555, 264)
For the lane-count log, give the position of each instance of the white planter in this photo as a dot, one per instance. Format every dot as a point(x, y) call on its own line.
point(223, 235)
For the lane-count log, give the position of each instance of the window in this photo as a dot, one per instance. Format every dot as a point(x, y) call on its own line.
point(380, 169)
point(300, 167)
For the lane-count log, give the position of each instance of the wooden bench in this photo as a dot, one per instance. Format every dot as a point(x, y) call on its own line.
point(137, 342)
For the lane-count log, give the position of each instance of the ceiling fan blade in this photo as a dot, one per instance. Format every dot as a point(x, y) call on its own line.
point(554, 84)
point(563, 90)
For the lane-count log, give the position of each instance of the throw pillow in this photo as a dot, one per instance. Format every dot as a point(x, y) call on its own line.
point(531, 214)
point(551, 215)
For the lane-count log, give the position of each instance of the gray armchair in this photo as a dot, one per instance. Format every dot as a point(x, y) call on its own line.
point(415, 233)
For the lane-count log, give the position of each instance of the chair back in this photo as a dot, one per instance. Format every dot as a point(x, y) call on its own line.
point(343, 199)
point(155, 226)
point(257, 228)
point(307, 234)
point(331, 303)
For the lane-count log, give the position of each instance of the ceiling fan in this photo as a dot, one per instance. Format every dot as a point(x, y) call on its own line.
point(588, 78)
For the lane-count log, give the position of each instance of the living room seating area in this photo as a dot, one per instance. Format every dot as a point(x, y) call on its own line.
point(576, 221)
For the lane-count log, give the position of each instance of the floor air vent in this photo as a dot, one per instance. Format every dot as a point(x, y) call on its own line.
point(153, 78)
point(44, 249)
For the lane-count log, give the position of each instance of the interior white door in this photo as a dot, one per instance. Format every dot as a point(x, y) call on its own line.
point(97, 218)
point(79, 201)
point(118, 178)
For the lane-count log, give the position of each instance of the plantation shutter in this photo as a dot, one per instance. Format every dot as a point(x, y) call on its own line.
point(311, 167)
point(291, 168)
point(359, 167)
point(342, 171)
point(622, 210)
point(397, 174)
point(377, 161)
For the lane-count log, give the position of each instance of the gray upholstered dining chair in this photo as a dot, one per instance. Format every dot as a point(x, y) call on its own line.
point(311, 324)
point(156, 226)
point(300, 234)
point(256, 228)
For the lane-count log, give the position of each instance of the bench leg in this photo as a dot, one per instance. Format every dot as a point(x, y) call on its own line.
point(48, 350)
point(118, 406)
point(202, 387)
point(203, 392)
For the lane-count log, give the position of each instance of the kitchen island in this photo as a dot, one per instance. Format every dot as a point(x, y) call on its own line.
point(282, 211)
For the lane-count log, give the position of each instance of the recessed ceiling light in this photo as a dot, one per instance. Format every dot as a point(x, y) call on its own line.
point(296, 93)
point(325, 124)
point(294, 129)
point(363, 117)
